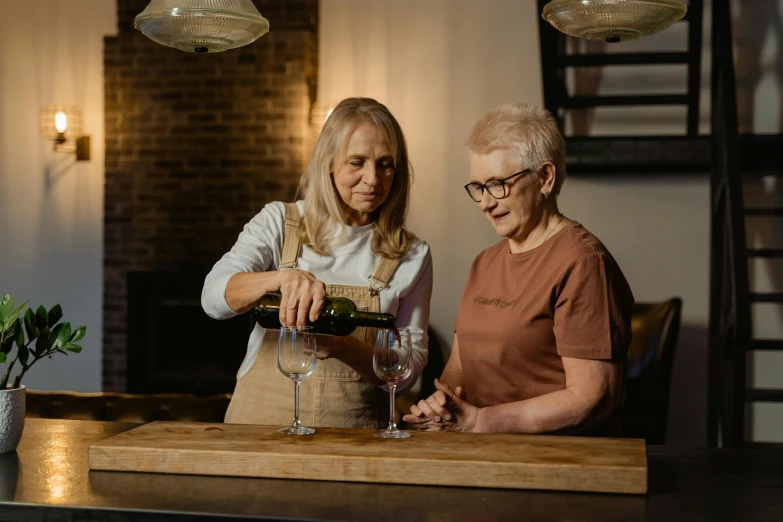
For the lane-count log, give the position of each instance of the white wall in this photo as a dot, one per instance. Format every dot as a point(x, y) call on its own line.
point(438, 65)
point(51, 209)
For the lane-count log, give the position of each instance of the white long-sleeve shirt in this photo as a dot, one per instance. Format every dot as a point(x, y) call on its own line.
point(260, 245)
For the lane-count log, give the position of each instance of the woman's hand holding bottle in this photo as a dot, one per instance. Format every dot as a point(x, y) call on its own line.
point(302, 297)
point(337, 316)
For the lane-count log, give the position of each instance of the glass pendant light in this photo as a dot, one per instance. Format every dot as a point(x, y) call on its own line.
point(202, 26)
point(612, 20)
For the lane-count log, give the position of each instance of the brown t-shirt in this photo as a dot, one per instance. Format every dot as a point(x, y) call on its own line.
point(520, 313)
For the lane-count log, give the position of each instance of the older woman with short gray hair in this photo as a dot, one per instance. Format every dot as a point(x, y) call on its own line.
point(544, 323)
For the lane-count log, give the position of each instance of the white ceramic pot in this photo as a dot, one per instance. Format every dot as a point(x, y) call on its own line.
point(12, 412)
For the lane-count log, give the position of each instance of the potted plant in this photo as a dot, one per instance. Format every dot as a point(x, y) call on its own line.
point(36, 335)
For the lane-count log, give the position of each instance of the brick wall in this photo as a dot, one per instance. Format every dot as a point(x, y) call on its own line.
point(196, 144)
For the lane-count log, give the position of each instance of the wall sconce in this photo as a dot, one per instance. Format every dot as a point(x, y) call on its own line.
point(62, 124)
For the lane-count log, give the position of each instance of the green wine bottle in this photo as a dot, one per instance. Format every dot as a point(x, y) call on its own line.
point(339, 316)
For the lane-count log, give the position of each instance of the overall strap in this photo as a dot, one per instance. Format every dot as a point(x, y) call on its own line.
point(291, 242)
point(383, 274)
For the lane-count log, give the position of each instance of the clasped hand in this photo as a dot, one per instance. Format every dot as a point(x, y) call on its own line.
point(444, 410)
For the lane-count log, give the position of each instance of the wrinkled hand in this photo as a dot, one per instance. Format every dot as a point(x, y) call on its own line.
point(302, 297)
point(444, 410)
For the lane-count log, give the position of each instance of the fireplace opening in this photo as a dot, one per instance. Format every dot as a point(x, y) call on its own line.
point(173, 345)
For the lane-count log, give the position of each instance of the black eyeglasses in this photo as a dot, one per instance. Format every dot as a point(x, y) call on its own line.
point(495, 187)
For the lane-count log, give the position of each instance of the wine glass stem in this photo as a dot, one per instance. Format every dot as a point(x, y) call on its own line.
point(392, 424)
point(297, 422)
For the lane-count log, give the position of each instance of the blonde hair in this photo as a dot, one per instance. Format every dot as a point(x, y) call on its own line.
point(527, 129)
point(322, 202)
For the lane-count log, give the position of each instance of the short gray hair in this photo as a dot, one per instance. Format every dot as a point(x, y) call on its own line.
point(527, 129)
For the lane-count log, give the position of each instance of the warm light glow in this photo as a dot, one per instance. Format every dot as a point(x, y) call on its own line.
point(56, 483)
point(60, 122)
point(321, 112)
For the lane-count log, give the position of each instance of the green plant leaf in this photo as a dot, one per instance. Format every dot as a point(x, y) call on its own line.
point(19, 332)
point(75, 348)
point(29, 324)
point(12, 316)
point(41, 318)
point(78, 335)
point(7, 337)
point(7, 344)
point(23, 354)
point(60, 336)
point(6, 305)
point(55, 314)
point(3, 358)
point(42, 343)
point(10, 331)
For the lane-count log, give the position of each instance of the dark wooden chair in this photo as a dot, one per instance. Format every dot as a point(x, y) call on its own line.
point(645, 410)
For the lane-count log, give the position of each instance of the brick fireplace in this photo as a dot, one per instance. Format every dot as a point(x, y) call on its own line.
point(196, 144)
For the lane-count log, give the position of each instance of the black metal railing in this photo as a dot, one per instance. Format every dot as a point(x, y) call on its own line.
point(729, 330)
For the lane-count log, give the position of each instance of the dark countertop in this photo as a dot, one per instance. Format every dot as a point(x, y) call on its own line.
point(48, 479)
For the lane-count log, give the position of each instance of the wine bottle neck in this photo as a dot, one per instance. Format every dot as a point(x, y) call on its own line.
point(374, 320)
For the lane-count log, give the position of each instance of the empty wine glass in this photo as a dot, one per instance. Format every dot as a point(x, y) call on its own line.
point(296, 360)
point(391, 361)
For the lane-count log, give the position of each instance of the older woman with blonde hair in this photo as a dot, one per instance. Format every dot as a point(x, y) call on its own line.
point(544, 322)
point(346, 238)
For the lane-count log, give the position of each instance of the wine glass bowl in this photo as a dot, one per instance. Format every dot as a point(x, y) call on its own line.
point(296, 360)
point(392, 363)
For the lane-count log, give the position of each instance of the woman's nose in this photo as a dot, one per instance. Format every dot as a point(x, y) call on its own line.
point(487, 201)
point(370, 176)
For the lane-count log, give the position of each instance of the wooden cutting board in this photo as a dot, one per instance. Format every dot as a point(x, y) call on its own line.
point(446, 459)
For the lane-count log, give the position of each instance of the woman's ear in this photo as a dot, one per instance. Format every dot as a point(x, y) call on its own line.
point(546, 177)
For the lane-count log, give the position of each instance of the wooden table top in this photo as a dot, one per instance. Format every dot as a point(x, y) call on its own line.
point(48, 477)
point(355, 455)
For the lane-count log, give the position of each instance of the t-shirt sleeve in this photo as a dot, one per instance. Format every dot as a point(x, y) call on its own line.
point(593, 310)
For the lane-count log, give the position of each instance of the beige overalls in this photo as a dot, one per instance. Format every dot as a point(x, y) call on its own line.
point(335, 395)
